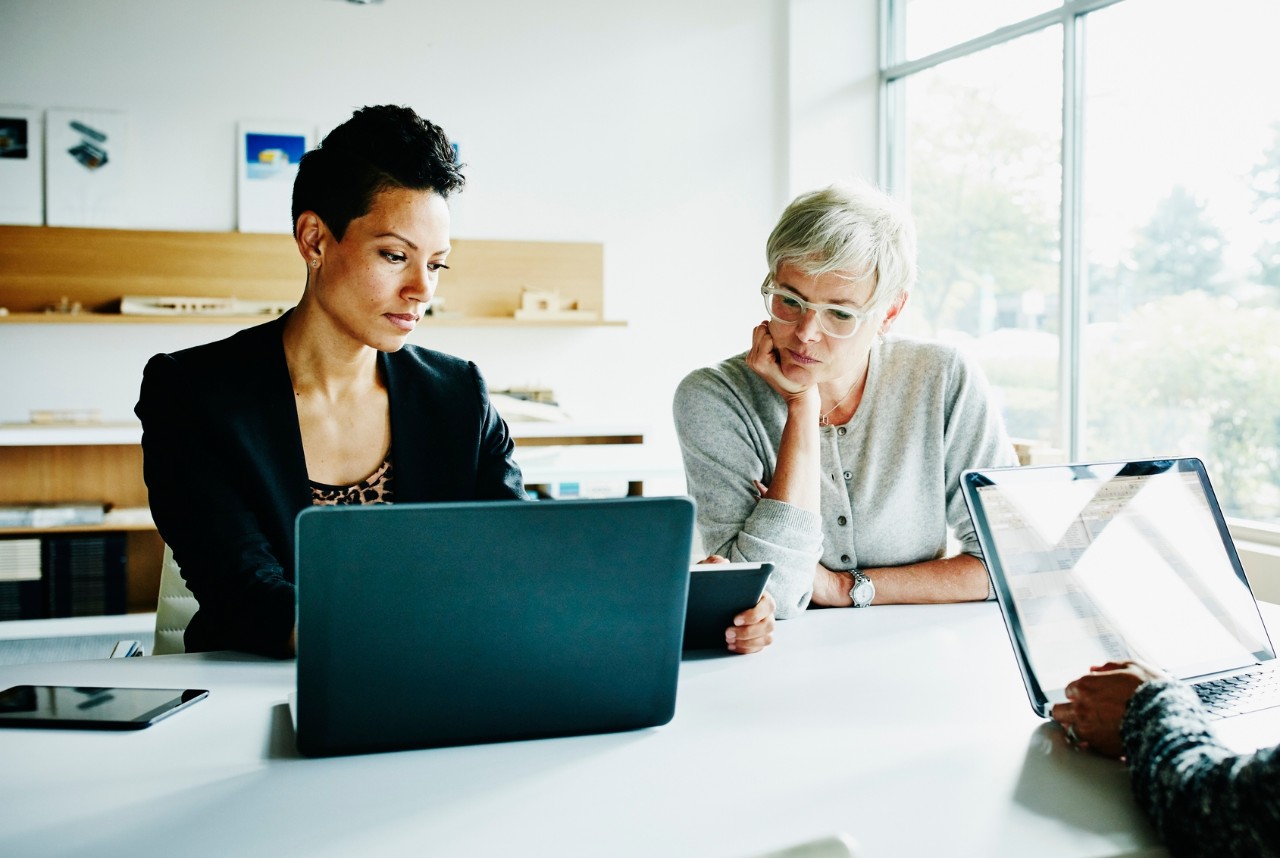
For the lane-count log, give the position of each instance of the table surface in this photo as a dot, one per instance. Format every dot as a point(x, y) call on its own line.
point(905, 727)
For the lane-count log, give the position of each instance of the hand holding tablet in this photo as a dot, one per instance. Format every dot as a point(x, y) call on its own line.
point(718, 592)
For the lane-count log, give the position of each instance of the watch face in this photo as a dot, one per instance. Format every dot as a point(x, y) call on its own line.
point(863, 592)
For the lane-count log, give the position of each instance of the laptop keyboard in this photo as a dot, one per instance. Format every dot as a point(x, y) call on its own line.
point(1241, 693)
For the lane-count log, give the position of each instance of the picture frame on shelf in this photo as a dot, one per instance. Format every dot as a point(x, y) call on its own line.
point(21, 166)
point(266, 164)
point(87, 168)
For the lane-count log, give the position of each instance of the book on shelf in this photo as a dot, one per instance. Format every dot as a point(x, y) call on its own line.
point(64, 514)
point(21, 587)
point(19, 559)
point(84, 576)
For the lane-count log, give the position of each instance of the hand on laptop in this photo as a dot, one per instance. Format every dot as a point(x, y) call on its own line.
point(1096, 703)
point(752, 630)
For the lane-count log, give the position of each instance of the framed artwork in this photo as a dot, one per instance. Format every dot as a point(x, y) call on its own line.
point(21, 166)
point(267, 162)
point(87, 168)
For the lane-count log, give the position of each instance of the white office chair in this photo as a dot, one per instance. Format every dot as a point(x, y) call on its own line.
point(174, 608)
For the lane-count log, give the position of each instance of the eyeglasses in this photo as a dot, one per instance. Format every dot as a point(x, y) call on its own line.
point(836, 320)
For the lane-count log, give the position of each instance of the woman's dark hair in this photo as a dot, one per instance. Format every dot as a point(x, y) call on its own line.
point(377, 148)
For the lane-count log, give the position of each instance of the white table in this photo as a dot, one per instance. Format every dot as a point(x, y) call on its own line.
point(906, 727)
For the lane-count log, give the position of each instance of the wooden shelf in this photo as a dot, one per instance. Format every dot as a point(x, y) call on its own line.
point(462, 321)
point(458, 321)
point(39, 266)
point(118, 319)
point(118, 520)
point(140, 526)
point(41, 439)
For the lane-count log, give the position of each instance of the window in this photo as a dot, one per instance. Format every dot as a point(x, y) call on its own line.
point(1097, 189)
point(932, 25)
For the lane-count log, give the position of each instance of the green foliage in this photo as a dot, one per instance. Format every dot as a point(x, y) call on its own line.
point(985, 196)
point(1178, 250)
point(1194, 374)
point(1025, 377)
point(1266, 190)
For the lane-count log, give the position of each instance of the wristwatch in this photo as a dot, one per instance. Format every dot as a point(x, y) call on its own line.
point(863, 590)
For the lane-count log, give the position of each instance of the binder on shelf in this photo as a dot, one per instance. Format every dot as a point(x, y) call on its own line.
point(21, 600)
point(84, 575)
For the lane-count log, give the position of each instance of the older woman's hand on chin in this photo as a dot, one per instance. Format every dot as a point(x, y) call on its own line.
point(752, 630)
point(1096, 704)
point(764, 361)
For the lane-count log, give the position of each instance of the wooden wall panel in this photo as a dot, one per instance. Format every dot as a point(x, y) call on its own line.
point(39, 265)
point(109, 473)
point(485, 278)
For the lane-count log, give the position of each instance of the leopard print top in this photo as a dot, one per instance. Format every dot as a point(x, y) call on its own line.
point(378, 487)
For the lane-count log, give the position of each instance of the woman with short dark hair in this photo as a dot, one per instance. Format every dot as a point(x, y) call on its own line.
point(326, 404)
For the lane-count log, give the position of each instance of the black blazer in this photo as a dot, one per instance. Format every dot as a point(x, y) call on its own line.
point(226, 474)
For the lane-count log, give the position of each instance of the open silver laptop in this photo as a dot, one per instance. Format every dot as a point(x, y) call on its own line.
point(421, 625)
point(1106, 561)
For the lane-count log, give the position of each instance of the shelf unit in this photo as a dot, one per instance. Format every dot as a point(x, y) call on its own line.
point(39, 266)
point(110, 472)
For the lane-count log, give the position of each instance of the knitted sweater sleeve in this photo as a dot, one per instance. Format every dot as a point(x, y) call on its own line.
point(1202, 798)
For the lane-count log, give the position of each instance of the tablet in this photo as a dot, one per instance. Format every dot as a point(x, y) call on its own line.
point(92, 708)
point(717, 593)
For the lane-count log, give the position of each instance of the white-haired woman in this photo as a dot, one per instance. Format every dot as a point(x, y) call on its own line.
point(831, 449)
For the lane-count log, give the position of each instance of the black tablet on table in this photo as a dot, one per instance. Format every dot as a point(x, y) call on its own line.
point(91, 708)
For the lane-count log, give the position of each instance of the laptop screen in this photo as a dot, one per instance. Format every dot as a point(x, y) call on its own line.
point(1100, 562)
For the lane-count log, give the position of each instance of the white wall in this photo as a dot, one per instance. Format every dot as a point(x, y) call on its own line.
point(671, 131)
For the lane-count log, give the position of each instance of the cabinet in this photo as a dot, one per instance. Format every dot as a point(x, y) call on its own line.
point(52, 464)
point(111, 472)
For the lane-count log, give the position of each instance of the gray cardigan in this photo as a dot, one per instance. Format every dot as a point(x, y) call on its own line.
point(891, 475)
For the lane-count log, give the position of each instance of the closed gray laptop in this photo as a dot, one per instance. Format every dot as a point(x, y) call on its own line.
point(1107, 561)
point(424, 625)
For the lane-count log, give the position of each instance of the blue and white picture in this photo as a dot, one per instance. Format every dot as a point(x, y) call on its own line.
point(268, 161)
point(273, 156)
